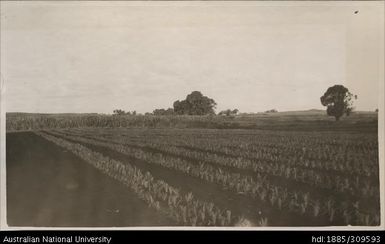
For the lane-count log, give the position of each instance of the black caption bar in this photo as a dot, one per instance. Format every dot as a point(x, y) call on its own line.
point(179, 236)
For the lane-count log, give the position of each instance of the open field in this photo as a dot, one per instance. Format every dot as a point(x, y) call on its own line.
point(199, 176)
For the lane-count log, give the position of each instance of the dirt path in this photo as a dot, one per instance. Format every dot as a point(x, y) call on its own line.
point(48, 186)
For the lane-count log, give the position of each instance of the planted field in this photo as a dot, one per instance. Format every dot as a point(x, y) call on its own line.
point(210, 177)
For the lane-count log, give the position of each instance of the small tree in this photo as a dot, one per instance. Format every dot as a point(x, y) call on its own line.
point(122, 112)
point(119, 112)
point(229, 112)
point(225, 112)
point(338, 100)
point(272, 111)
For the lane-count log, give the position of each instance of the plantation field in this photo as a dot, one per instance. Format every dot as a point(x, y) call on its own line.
point(206, 177)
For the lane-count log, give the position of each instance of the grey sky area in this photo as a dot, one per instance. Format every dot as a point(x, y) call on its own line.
point(254, 56)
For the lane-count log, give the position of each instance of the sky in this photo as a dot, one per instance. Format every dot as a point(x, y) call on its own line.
point(86, 56)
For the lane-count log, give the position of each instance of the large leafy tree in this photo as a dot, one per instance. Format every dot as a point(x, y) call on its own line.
point(195, 104)
point(338, 100)
point(181, 107)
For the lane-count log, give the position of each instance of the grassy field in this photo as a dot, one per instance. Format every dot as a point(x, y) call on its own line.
point(284, 169)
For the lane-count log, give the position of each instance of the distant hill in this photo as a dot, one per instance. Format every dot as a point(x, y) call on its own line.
point(304, 112)
point(309, 112)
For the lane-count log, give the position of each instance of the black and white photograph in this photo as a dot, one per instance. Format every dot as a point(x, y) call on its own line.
point(192, 114)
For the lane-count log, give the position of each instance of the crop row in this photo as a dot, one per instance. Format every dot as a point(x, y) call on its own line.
point(355, 156)
point(311, 155)
point(357, 186)
point(184, 209)
point(336, 160)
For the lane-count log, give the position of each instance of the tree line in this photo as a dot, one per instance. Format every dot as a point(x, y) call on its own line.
point(337, 100)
